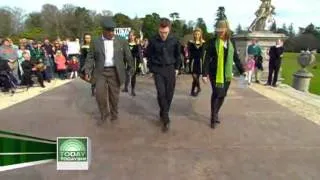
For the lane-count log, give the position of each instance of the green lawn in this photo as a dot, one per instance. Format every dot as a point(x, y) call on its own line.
point(290, 66)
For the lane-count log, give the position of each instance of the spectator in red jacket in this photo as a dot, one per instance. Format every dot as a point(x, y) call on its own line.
point(60, 61)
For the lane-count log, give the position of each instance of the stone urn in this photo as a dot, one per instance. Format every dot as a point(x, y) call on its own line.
point(301, 79)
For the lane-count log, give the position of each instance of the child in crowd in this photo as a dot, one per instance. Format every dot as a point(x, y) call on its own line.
point(74, 67)
point(250, 66)
point(60, 61)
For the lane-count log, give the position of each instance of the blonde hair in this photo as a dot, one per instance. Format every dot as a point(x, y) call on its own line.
point(224, 24)
point(59, 52)
point(74, 58)
point(133, 34)
point(201, 35)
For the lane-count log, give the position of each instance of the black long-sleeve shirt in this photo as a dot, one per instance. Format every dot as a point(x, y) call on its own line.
point(275, 54)
point(163, 53)
point(4, 66)
point(27, 67)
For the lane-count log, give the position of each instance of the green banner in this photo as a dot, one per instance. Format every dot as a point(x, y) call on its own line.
point(10, 145)
point(18, 148)
point(6, 160)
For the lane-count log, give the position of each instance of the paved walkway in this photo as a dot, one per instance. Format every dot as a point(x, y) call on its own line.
point(258, 138)
point(304, 104)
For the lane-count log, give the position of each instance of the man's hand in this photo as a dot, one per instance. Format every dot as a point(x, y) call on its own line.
point(86, 77)
point(151, 75)
point(177, 72)
point(34, 69)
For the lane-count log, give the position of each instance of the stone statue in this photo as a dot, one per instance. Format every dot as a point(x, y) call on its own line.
point(264, 17)
point(306, 58)
point(302, 77)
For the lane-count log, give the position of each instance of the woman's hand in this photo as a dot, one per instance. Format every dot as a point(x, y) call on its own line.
point(205, 79)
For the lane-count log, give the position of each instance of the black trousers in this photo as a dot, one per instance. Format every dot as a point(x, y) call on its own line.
point(133, 78)
point(165, 82)
point(216, 104)
point(26, 78)
point(273, 68)
point(62, 74)
point(217, 98)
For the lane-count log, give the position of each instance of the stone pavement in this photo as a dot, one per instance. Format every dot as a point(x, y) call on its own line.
point(258, 138)
point(302, 103)
point(22, 94)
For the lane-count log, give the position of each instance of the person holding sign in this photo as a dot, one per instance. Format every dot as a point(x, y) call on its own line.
point(218, 63)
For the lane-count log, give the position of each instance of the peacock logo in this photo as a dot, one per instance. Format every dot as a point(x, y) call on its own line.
point(72, 149)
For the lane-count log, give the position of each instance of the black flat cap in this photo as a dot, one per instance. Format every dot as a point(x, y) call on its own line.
point(107, 23)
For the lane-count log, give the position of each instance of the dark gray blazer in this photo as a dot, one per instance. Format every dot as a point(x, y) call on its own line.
point(94, 64)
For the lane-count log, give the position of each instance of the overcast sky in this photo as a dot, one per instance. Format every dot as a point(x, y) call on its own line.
point(299, 12)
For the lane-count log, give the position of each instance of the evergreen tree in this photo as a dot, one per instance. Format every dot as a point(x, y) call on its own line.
point(239, 29)
point(220, 14)
point(273, 27)
point(291, 30)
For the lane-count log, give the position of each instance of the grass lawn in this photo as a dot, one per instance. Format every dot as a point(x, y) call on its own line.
point(290, 66)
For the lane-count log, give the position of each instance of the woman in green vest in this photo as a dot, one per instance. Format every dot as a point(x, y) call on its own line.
point(219, 56)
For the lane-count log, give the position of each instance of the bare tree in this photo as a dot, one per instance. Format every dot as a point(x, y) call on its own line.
point(6, 27)
point(51, 20)
point(106, 13)
point(18, 19)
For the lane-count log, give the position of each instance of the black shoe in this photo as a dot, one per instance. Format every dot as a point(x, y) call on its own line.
point(133, 93)
point(274, 85)
point(257, 81)
point(114, 118)
point(102, 119)
point(214, 120)
point(100, 122)
point(161, 117)
point(192, 93)
point(267, 84)
point(213, 124)
point(198, 91)
point(93, 92)
point(43, 86)
point(125, 90)
point(165, 127)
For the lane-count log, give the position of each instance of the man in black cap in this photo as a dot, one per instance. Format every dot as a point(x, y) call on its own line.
point(164, 61)
point(106, 59)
